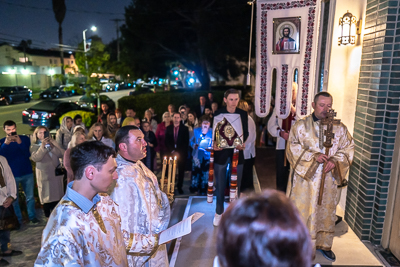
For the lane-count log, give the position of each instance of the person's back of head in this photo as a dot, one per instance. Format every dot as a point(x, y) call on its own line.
point(263, 230)
point(88, 153)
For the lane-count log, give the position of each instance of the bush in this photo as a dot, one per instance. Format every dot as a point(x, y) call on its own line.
point(88, 118)
point(160, 100)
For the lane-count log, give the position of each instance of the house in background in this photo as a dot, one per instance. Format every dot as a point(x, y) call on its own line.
point(34, 68)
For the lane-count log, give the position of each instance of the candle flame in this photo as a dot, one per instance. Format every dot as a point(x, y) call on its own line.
point(175, 158)
point(165, 158)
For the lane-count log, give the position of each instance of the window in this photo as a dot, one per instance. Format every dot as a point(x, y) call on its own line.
point(55, 61)
point(51, 61)
point(72, 62)
point(23, 59)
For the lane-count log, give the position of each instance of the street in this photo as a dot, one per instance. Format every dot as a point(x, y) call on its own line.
point(14, 111)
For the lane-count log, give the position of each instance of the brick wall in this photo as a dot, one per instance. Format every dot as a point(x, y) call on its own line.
point(376, 119)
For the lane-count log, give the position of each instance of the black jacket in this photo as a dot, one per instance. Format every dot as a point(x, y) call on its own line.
point(182, 143)
point(198, 110)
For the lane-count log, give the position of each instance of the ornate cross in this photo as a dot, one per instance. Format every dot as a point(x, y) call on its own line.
point(329, 121)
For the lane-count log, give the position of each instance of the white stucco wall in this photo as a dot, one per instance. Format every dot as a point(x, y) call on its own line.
point(344, 69)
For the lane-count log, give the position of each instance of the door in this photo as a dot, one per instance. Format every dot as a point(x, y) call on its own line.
point(394, 244)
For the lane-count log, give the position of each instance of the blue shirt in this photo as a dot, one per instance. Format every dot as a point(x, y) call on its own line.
point(82, 202)
point(17, 156)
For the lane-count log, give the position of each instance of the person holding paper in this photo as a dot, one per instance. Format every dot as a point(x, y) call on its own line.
point(144, 208)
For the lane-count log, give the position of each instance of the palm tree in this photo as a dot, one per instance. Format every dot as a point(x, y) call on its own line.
point(60, 9)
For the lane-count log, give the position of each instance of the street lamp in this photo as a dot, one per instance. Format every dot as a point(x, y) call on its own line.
point(93, 28)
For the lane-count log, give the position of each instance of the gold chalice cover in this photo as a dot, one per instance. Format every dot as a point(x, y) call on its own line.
point(226, 136)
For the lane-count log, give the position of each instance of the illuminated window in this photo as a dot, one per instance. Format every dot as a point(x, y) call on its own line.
point(23, 59)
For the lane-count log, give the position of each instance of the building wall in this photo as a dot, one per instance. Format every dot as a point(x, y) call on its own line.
point(344, 69)
point(376, 120)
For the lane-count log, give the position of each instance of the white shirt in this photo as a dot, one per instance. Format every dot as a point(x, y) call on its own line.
point(10, 190)
point(250, 148)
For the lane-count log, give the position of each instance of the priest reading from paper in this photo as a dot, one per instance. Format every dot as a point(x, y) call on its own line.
point(144, 208)
point(320, 151)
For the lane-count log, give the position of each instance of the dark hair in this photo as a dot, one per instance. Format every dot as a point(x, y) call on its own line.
point(231, 91)
point(77, 116)
point(130, 108)
point(285, 29)
point(122, 135)
point(263, 230)
point(173, 114)
point(204, 118)
point(324, 94)
point(89, 153)
point(9, 123)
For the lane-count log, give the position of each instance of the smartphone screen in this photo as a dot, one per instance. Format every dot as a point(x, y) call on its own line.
point(14, 133)
point(46, 134)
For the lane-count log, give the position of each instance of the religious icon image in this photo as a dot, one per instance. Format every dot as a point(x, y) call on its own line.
point(286, 38)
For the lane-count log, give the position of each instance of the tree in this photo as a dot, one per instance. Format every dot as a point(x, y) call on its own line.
point(203, 35)
point(25, 44)
point(96, 59)
point(59, 10)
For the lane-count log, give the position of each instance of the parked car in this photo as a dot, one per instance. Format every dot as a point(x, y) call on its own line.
point(90, 102)
point(126, 85)
point(12, 94)
point(109, 87)
point(53, 92)
point(47, 113)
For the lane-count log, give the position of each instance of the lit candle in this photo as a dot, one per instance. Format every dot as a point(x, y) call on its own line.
point(169, 174)
point(164, 167)
point(173, 176)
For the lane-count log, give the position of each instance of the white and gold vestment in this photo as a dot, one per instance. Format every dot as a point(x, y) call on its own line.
point(304, 145)
point(75, 238)
point(145, 212)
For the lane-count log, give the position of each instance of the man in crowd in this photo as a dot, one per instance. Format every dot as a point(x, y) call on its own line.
point(85, 227)
point(144, 208)
point(8, 192)
point(105, 110)
point(202, 107)
point(171, 109)
point(280, 129)
point(130, 112)
point(236, 123)
point(15, 148)
point(177, 144)
point(309, 165)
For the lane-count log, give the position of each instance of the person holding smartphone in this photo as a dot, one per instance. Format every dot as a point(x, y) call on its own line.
point(46, 152)
point(15, 148)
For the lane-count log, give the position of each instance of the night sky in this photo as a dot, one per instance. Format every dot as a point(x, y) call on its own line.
point(35, 20)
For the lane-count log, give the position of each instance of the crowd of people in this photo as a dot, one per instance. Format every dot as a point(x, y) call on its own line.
point(109, 191)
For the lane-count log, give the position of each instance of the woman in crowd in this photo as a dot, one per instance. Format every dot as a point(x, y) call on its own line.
point(263, 230)
point(148, 116)
point(46, 153)
point(78, 122)
point(160, 134)
point(192, 122)
point(151, 141)
point(78, 138)
point(64, 134)
point(98, 132)
point(112, 125)
point(120, 118)
point(201, 140)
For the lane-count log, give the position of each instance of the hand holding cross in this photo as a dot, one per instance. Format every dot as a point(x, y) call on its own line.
point(329, 121)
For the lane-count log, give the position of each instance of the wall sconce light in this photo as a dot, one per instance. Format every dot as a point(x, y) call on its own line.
point(347, 29)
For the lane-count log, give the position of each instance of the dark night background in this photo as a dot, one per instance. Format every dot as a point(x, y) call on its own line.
point(27, 19)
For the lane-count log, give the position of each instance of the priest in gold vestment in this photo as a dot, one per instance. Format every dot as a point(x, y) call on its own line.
point(306, 154)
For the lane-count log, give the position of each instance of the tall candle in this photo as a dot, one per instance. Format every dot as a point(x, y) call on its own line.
point(169, 174)
point(164, 167)
point(173, 176)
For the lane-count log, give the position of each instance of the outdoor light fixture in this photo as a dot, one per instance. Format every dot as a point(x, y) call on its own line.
point(94, 28)
point(347, 29)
